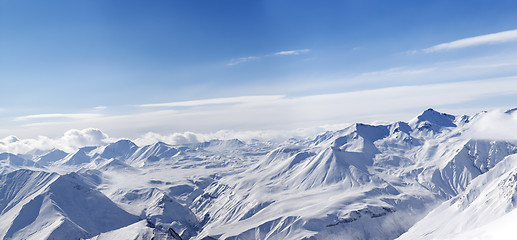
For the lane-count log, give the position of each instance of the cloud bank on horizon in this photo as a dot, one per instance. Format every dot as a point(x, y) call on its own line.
point(274, 112)
point(496, 124)
point(69, 142)
point(258, 68)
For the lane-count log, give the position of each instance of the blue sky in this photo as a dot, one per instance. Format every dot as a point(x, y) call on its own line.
point(132, 67)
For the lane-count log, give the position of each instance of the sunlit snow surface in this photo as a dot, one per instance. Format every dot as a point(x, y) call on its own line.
point(429, 176)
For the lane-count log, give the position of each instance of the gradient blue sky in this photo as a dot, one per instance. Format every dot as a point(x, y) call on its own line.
point(132, 67)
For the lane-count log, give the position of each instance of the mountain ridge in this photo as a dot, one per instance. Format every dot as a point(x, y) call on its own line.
point(364, 181)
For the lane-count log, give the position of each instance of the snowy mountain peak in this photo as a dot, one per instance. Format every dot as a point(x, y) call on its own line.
point(433, 121)
point(365, 181)
point(359, 137)
point(119, 150)
point(40, 205)
point(151, 154)
point(371, 132)
point(438, 118)
point(160, 143)
point(123, 144)
point(79, 157)
point(51, 157)
point(10, 159)
point(400, 127)
point(87, 149)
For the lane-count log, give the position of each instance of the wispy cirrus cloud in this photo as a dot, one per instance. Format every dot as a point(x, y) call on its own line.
point(58, 115)
point(99, 108)
point(236, 61)
point(279, 112)
point(228, 100)
point(500, 37)
point(292, 52)
point(242, 60)
point(398, 71)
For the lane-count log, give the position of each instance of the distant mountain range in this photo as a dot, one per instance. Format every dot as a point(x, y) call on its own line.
point(422, 179)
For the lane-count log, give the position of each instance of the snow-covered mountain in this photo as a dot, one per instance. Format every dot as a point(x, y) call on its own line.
point(40, 205)
point(422, 179)
point(488, 198)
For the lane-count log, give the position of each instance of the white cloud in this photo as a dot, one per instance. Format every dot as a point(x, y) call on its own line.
point(493, 38)
point(174, 139)
point(69, 142)
point(229, 100)
point(242, 60)
point(14, 145)
point(292, 52)
point(9, 140)
point(74, 138)
point(492, 65)
point(99, 108)
point(234, 62)
point(492, 125)
point(501, 64)
point(398, 71)
point(58, 115)
point(247, 136)
point(495, 125)
point(283, 113)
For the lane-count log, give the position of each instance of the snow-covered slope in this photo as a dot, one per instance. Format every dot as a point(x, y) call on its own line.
point(11, 160)
point(119, 150)
point(39, 205)
point(50, 157)
point(151, 154)
point(78, 158)
point(361, 182)
point(488, 198)
point(160, 210)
